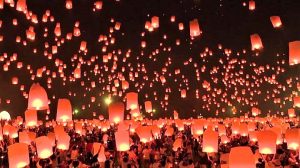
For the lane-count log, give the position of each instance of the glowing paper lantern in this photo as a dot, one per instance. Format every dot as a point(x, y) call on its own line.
point(18, 155)
point(294, 52)
point(122, 140)
point(267, 142)
point(183, 93)
point(194, 28)
point(77, 73)
point(276, 21)
point(37, 99)
point(241, 156)
point(210, 141)
point(24, 138)
point(148, 106)
point(116, 112)
point(292, 138)
point(291, 113)
point(31, 118)
point(132, 100)
point(64, 110)
point(4, 116)
point(296, 101)
point(63, 141)
point(44, 147)
point(251, 5)
point(256, 42)
point(144, 132)
point(155, 22)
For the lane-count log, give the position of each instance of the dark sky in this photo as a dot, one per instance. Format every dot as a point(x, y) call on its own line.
point(225, 22)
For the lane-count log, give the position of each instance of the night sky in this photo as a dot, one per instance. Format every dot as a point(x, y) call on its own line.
point(226, 25)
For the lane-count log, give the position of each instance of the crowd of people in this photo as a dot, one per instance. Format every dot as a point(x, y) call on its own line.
point(158, 153)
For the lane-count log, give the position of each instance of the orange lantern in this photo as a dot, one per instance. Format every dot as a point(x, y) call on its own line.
point(132, 101)
point(251, 5)
point(241, 156)
point(294, 52)
point(256, 42)
point(38, 99)
point(64, 110)
point(276, 21)
point(210, 141)
point(31, 118)
point(292, 138)
point(296, 101)
point(194, 28)
point(44, 147)
point(116, 112)
point(63, 141)
point(148, 106)
point(18, 155)
point(144, 132)
point(267, 142)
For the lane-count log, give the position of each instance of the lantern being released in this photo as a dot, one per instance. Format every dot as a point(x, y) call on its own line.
point(122, 140)
point(294, 52)
point(210, 141)
point(267, 142)
point(4, 116)
point(18, 155)
point(38, 99)
point(64, 110)
point(31, 118)
point(116, 112)
point(44, 147)
point(63, 141)
point(241, 156)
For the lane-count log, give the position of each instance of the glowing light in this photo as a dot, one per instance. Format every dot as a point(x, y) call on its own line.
point(37, 103)
point(76, 111)
point(107, 100)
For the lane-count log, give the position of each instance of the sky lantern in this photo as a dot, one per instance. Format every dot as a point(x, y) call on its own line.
point(148, 106)
point(194, 28)
point(210, 141)
point(83, 45)
point(24, 138)
point(98, 5)
point(144, 133)
point(131, 100)
point(44, 147)
point(4, 116)
point(116, 112)
point(77, 73)
point(155, 22)
point(294, 52)
point(21, 5)
point(64, 110)
point(256, 42)
point(291, 113)
point(122, 140)
point(276, 21)
point(38, 99)
point(69, 4)
point(251, 5)
point(18, 155)
point(15, 80)
point(267, 142)
point(63, 141)
point(241, 156)
point(180, 26)
point(183, 93)
point(296, 101)
point(292, 138)
point(31, 118)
